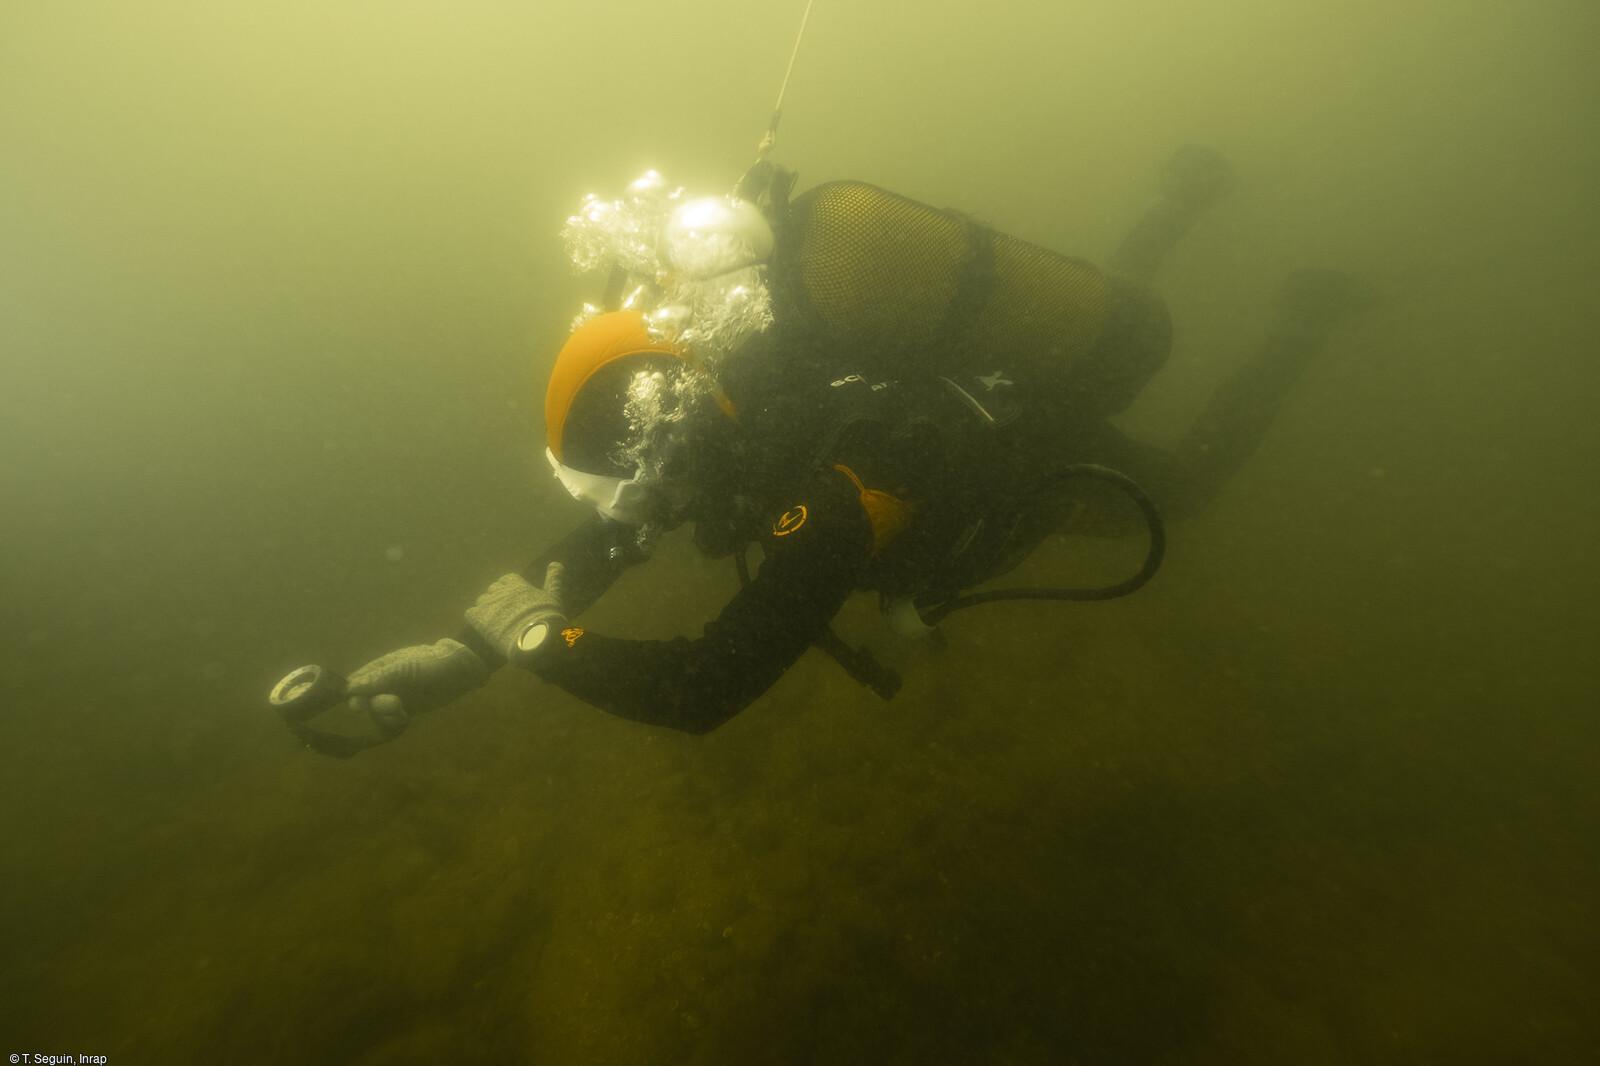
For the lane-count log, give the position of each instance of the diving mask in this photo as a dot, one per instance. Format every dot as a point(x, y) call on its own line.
point(626, 500)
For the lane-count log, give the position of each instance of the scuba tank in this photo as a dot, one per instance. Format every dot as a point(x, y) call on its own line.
point(912, 289)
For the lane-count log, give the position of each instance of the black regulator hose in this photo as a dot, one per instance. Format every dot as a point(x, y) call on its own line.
point(1152, 560)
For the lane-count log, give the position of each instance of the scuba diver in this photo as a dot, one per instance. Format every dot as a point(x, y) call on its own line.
point(881, 395)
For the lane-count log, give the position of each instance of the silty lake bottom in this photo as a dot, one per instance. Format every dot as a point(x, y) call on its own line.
point(281, 291)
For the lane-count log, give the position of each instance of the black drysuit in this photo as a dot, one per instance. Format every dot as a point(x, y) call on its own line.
point(886, 426)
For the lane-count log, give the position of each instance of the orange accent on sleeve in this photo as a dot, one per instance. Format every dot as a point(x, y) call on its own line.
point(887, 515)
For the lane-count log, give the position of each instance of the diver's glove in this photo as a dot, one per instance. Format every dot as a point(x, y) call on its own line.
point(394, 686)
point(517, 617)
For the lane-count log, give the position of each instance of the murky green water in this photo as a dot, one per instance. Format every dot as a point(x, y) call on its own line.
point(278, 286)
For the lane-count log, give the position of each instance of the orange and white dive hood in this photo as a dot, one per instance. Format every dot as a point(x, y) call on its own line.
point(601, 342)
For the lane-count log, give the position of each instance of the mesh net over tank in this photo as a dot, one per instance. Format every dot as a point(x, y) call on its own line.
point(890, 278)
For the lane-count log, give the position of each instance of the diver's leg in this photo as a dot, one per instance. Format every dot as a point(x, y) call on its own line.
point(1311, 304)
point(1192, 180)
point(1182, 480)
point(1132, 349)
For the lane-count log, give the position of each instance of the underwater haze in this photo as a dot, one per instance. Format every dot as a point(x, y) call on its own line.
point(279, 288)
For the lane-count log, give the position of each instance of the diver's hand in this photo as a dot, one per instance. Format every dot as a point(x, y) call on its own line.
point(512, 606)
point(394, 686)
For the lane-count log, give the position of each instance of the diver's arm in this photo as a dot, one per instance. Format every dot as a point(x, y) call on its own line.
point(394, 687)
point(592, 555)
point(811, 566)
point(421, 677)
